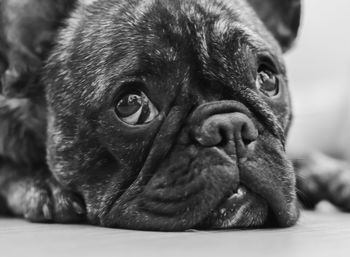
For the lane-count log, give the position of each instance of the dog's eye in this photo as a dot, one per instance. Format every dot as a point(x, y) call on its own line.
point(135, 108)
point(267, 82)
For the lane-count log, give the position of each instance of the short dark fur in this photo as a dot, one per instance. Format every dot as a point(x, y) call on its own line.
point(27, 33)
point(197, 60)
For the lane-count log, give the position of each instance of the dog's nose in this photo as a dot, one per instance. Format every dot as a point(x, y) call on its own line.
point(222, 129)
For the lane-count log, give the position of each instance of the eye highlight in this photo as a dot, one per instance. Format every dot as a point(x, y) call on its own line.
point(135, 108)
point(267, 81)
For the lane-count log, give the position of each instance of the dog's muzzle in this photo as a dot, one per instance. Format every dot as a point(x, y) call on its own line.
point(229, 127)
point(213, 174)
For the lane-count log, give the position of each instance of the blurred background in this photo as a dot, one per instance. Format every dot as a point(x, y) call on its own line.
point(319, 73)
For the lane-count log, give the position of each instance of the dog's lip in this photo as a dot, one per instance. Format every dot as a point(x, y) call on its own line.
point(255, 202)
point(232, 211)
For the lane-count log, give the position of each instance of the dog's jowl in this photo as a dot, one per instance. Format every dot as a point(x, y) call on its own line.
point(164, 115)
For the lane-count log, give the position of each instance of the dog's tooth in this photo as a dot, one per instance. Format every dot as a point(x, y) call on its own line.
point(223, 211)
point(241, 191)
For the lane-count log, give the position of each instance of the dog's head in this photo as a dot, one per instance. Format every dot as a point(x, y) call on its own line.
point(172, 114)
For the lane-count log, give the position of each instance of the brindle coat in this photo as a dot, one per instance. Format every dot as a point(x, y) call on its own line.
point(194, 58)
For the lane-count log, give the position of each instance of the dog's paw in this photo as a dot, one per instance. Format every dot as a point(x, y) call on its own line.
point(37, 204)
point(48, 202)
point(339, 187)
point(309, 173)
point(320, 177)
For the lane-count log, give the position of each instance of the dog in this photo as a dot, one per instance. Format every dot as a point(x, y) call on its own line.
point(161, 115)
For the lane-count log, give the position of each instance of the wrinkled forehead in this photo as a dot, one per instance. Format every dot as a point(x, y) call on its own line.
point(199, 22)
point(158, 32)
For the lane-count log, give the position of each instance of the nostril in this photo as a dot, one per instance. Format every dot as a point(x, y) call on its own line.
point(247, 141)
point(249, 132)
point(224, 136)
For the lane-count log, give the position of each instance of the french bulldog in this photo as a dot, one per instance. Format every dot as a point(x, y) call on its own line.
point(161, 115)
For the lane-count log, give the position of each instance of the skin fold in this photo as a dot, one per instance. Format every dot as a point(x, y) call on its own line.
point(213, 154)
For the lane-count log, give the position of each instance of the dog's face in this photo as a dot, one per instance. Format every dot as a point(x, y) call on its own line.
point(170, 115)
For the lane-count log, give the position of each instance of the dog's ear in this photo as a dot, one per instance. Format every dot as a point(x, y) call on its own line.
point(281, 17)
